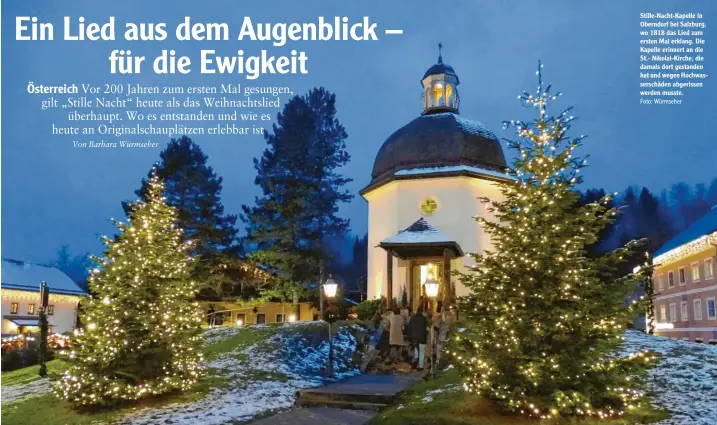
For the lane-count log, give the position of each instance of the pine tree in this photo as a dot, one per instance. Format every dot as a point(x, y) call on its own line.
point(628, 221)
point(327, 153)
point(680, 197)
point(194, 189)
point(75, 266)
point(544, 320)
point(359, 263)
point(141, 334)
point(606, 237)
point(653, 225)
point(301, 191)
point(699, 205)
point(711, 195)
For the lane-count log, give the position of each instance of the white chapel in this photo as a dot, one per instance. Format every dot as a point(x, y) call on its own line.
point(423, 194)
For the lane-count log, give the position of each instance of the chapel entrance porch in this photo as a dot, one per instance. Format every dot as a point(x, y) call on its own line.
point(423, 253)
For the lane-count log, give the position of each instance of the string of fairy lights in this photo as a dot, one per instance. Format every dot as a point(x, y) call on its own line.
point(683, 251)
point(21, 295)
point(542, 326)
point(141, 334)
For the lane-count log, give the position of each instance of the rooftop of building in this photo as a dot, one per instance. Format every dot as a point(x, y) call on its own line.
point(26, 276)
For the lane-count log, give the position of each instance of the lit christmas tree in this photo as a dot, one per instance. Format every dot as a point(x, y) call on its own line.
point(546, 319)
point(142, 326)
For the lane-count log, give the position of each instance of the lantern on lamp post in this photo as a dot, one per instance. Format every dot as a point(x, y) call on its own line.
point(330, 287)
point(431, 288)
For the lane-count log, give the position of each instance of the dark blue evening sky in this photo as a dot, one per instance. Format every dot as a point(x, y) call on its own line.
point(53, 194)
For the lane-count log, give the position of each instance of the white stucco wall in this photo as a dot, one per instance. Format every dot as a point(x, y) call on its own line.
point(63, 319)
point(396, 205)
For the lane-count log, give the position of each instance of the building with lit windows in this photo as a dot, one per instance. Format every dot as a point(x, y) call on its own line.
point(422, 198)
point(685, 282)
point(21, 298)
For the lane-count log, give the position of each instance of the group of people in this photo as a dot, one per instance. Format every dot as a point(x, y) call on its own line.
point(417, 331)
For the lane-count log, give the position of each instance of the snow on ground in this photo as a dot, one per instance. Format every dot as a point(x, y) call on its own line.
point(11, 393)
point(223, 332)
point(266, 375)
point(429, 395)
point(684, 381)
point(263, 377)
point(36, 388)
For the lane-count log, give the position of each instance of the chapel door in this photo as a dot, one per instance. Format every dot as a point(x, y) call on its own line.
point(420, 273)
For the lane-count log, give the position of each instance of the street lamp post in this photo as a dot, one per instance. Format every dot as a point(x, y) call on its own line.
point(431, 287)
point(44, 327)
point(330, 288)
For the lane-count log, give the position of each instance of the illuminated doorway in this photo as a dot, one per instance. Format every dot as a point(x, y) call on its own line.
point(421, 271)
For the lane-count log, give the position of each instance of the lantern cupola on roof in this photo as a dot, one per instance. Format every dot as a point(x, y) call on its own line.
point(440, 83)
point(439, 138)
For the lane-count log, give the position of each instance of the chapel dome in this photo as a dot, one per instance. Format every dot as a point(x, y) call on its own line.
point(440, 68)
point(440, 139)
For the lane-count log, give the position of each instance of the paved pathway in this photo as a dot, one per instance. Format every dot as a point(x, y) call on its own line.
point(368, 385)
point(371, 392)
point(318, 416)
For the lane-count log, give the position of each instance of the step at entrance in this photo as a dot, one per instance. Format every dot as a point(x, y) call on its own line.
point(364, 392)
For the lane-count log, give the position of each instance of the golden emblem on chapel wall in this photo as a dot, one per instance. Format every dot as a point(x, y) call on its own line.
point(429, 206)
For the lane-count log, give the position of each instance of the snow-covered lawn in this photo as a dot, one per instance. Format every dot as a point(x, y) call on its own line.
point(256, 378)
point(262, 377)
point(37, 388)
point(448, 388)
point(684, 381)
point(264, 374)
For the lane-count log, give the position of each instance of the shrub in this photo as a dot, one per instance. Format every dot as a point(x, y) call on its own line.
point(12, 361)
point(368, 309)
point(28, 356)
point(340, 309)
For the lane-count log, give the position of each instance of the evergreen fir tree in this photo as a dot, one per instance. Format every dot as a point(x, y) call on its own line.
point(711, 195)
point(543, 324)
point(360, 252)
point(327, 153)
point(593, 195)
point(628, 220)
point(194, 190)
point(652, 224)
point(75, 266)
point(680, 196)
point(141, 334)
point(359, 263)
point(301, 191)
point(606, 237)
point(699, 205)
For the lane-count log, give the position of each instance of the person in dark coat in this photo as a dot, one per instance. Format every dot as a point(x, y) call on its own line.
point(418, 333)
